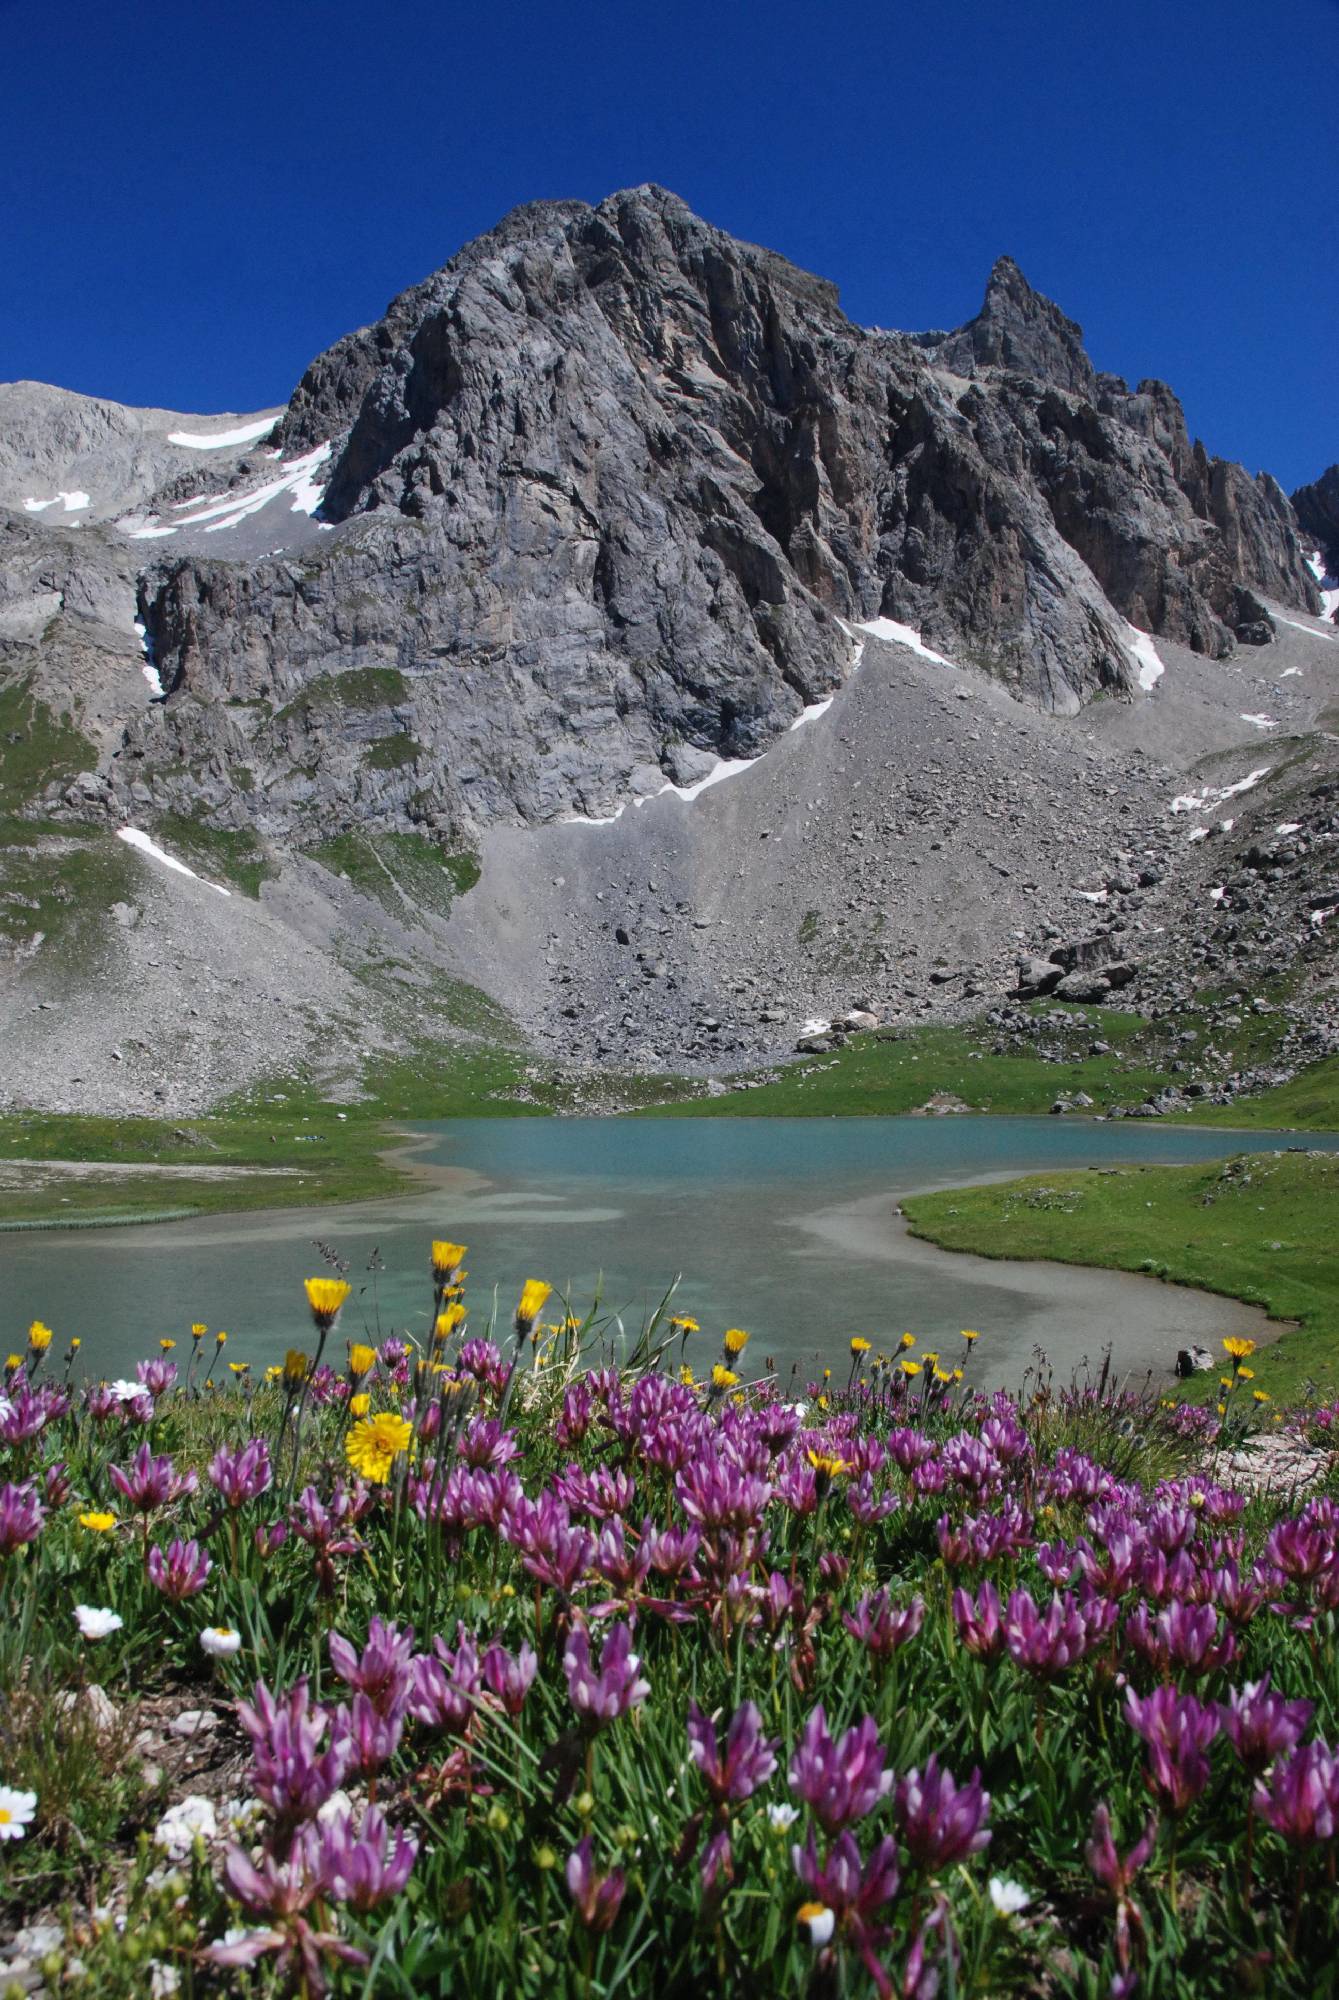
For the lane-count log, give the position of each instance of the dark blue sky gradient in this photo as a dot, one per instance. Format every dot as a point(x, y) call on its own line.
point(201, 197)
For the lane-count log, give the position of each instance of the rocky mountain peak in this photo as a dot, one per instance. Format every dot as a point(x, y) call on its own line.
point(1020, 330)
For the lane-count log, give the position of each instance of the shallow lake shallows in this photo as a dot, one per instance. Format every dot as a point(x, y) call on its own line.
point(783, 1226)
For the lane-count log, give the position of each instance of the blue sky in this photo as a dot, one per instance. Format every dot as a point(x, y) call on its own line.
point(201, 198)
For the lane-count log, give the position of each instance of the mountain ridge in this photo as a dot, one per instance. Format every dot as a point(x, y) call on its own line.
point(605, 509)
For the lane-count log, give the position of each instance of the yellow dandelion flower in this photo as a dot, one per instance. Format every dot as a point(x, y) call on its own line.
point(374, 1444)
point(1246, 1374)
point(13, 1361)
point(723, 1378)
point(360, 1405)
point(907, 1340)
point(859, 1345)
point(683, 1324)
point(325, 1296)
point(446, 1322)
point(296, 1365)
point(1261, 1396)
point(1222, 1409)
point(98, 1522)
point(447, 1259)
point(827, 1465)
point(199, 1330)
point(167, 1345)
point(686, 1377)
point(75, 1344)
point(530, 1305)
point(736, 1340)
point(220, 1340)
point(1238, 1347)
point(273, 1373)
point(820, 1402)
point(361, 1358)
point(910, 1367)
point(943, 1375)
point(969, 1333)
point(928, 1358)
point(239, 1367)
point(39, 1337)
point(957, 1374)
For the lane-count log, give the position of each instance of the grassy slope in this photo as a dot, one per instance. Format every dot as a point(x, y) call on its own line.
point(1264, 1228)
point(873, 1075)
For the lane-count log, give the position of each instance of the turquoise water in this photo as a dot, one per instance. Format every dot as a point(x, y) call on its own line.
point(783, 1226)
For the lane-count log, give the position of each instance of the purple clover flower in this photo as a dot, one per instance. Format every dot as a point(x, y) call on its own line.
point(365, 1867)
point(980, 1621)
point(151, 1482)
point(600, 1695)
point(508, 1677)
point(1299, 1797)
point(291, 1774)
point(856, 1892)
point(840, 1781)
point(1261, 1724)
point(881, 1626)
point(21, 1516)
point(1048, 1643)
point(383, 1670)
point(733, 1771)
point(242, 1475)
point(597, 1897)
point(1178, 1731)
point(942, 1821)
point(179, 1571)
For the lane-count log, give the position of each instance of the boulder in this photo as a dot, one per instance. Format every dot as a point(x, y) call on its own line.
point(1037, 976)
point(1194, 1361)
point(1083, 986)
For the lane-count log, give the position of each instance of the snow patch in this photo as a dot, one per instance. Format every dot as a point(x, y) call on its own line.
point(1198, 802)
point(894, 634)
point(1289, 826)
point(133, 837)
point(1198, 833)
point(69, 503)
point(815, 1027)
point(149, 670)
point(1315, 632)
point(812, 713)
point(219, 440)
point(1318, 917)
point(1095, 895)
point(226, 510)
point(1288, 672)
point(1329, 583)
point(1261, 721)
point(1218, 895)
point(1144, 653)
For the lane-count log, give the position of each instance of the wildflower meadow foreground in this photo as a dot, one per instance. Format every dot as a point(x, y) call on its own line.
point(541, 1659)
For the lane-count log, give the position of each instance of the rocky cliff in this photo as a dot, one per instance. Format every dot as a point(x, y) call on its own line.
point(603, 490)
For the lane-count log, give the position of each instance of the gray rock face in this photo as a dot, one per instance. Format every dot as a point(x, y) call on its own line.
point(58, 448)
point(1317, 510)
point(604, 490)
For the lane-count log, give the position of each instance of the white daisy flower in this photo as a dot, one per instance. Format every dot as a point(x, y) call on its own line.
point(16, 1811)
point(177, 1829)
point(1007, 1898)
point(96, 1621)
point(221, 1641)
point(782, 1818)
point(817, 1923)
